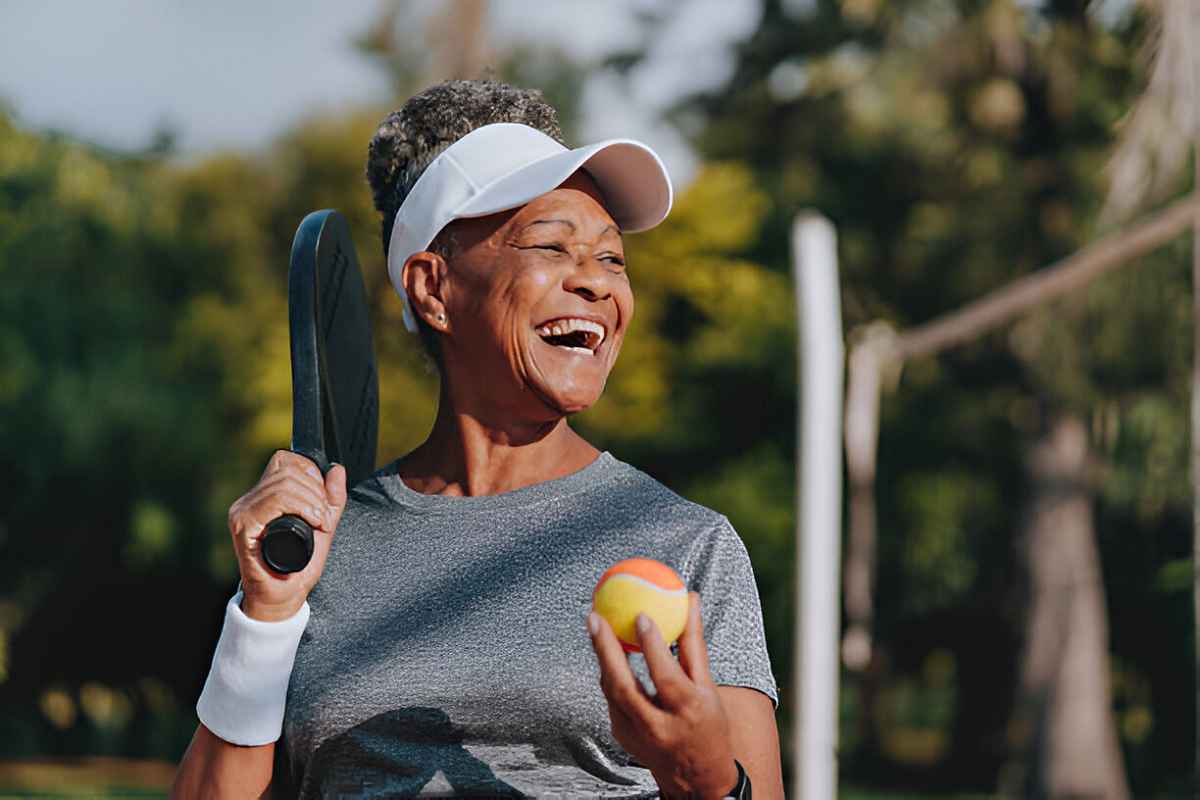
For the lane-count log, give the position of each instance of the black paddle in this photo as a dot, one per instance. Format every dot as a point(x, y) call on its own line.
point(335, 389)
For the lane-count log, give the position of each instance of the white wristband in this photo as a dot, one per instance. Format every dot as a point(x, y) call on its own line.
point(244, 696)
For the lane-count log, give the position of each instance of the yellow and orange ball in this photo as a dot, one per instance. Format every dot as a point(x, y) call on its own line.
point(641, 585)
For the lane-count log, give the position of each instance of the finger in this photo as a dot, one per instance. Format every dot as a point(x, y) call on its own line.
point(288, 501)
point(288, 478)
point(273, 463)
point(624, 729)
point(282, 458)
point(313, 501)
point(693, 652)
point(306, 474)
point(669, 679)
point(617, 681)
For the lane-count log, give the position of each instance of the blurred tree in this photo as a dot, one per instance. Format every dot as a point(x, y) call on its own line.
point(116, 432)
point(1063, 731)
point(456, 44)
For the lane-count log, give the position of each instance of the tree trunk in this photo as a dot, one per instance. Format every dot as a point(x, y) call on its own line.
point(1063, 733)
point(459, 37)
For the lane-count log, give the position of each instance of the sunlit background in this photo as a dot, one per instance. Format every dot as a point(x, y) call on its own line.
point(1031, 568)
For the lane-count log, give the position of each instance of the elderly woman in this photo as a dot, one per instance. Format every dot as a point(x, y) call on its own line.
point(441, 645)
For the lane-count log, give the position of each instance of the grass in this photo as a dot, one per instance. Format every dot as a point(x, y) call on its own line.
point(90, 776)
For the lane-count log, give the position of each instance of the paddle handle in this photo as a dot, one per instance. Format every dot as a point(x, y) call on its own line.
point(287, 546)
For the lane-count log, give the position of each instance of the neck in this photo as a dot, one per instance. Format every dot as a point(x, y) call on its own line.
point(470, 452)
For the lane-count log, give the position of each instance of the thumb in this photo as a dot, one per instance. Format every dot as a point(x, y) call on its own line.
point(335, 490)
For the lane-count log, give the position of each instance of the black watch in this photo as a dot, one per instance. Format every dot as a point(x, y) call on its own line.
point(741, 791)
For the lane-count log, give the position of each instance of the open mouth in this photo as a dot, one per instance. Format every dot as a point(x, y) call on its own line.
point(582, 336)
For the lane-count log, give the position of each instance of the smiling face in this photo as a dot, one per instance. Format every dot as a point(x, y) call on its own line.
point(536, 302)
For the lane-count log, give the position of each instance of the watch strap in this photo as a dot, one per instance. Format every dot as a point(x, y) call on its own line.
point(741, 791)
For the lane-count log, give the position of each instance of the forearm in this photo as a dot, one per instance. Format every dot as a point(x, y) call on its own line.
point(212, 768)
point(243, 702)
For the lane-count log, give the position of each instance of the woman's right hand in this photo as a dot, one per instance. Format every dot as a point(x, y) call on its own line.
point(290, 484)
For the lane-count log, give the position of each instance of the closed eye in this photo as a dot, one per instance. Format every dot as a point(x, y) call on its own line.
point(554, 248)
point(558, 248)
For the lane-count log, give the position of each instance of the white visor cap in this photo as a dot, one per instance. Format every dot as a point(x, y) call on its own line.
point(504, 165)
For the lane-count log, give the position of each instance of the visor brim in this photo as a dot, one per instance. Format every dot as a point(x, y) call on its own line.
point(637, 191)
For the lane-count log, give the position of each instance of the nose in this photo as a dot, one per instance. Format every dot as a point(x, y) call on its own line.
point(590, 279)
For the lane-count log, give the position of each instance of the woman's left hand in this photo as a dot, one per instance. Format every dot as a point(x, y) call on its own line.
point(681, 733)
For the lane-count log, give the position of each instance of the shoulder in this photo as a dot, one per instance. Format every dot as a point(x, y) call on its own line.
point(703, 531)
point(657, 498)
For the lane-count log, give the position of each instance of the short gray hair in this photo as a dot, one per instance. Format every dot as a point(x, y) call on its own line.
point(410, 138)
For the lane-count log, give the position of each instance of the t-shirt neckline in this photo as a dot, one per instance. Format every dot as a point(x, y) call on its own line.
point(603, 467)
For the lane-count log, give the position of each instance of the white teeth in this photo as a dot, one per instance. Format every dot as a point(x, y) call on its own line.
point(560, 327)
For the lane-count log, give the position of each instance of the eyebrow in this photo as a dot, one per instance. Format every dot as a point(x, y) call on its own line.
point(569, 224)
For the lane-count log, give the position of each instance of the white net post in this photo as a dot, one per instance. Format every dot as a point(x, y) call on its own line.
point(819, 504)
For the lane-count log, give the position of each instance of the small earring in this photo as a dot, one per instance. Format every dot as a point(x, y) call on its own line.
point(441, 317)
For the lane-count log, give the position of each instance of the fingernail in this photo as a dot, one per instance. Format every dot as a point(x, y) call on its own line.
point(643, 623)
point(593, 623)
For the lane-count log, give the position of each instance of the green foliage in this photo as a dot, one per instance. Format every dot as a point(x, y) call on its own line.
point(958, 145)
point(939, 546)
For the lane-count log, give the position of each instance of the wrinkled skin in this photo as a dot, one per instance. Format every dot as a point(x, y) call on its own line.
point(513, 271)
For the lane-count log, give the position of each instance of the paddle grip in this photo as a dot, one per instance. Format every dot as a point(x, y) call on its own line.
point(287, 546)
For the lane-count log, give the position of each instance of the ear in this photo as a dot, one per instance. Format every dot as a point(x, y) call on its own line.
point(424, 279)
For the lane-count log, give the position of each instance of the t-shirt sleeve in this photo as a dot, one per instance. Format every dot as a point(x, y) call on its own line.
point(719, 569)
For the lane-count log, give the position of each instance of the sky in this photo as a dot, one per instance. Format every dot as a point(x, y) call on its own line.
point(234, 74)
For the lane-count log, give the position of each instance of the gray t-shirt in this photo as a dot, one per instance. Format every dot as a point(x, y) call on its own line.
point(447, 653)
